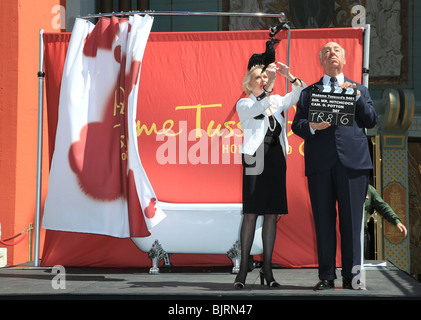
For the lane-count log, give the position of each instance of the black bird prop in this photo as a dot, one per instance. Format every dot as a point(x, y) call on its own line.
point(265, 58)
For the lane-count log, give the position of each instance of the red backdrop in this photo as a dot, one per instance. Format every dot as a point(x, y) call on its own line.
point(189, 85)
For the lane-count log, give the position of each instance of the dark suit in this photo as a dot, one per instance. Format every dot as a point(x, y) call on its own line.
point(337, 164)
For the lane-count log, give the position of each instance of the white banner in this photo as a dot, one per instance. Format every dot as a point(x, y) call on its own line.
point(97, 182)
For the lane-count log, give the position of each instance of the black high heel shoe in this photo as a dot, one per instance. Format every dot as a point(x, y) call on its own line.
point(270, 284)
point(239, 285)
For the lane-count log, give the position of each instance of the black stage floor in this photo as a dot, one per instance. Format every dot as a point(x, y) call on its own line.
point(383, 281)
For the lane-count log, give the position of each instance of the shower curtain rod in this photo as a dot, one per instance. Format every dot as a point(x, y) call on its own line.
point(184, 13)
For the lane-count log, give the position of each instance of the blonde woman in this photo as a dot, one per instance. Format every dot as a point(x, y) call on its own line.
point(264, 164)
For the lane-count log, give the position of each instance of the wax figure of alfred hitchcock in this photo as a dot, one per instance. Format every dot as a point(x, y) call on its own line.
point(337, 165)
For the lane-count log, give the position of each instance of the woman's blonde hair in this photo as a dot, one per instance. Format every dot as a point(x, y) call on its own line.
point(247, 78)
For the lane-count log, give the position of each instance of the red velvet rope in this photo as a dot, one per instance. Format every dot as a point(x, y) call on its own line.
point(23, 234)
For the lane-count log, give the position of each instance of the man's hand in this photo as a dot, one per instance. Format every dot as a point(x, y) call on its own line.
point(347, 85)
point(320, 125)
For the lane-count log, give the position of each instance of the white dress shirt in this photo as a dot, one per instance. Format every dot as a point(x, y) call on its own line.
point(254, 130)
point(340, 79)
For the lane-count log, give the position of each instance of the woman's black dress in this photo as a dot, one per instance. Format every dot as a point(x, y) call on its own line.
point(265, 193)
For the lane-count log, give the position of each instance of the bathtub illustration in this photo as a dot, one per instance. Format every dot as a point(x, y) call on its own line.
point(198, 229)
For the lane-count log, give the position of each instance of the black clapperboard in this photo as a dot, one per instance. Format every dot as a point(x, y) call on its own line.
point(334, 105)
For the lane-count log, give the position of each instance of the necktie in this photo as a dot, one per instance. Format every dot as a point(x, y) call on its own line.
point(332, 82)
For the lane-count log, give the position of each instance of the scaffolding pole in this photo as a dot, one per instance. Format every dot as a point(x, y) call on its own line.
point(41, 75)
point(366, 57)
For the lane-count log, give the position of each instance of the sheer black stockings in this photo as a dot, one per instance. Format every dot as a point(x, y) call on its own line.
point(248, 227)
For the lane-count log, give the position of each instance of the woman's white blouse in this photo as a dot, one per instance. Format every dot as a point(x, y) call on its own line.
point(254, 130)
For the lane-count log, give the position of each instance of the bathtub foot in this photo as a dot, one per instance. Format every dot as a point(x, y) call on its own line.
point(235, 255)
point(156, 254)
point(167, 263)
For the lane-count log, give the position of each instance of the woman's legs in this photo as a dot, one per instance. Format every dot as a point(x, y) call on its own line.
point(268, 238)
point(248, 227)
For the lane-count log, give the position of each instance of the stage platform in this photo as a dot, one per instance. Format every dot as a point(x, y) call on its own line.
point(383, 281)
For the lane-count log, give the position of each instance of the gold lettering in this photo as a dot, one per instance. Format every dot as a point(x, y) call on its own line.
point(225, 148)
point(231, 131)
point(168, 131)
point(122, 142)
point(140, 129)
point(301, 148)
point(121, 104)
point(290, 133)
point(211, 132)
point(198, 108)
